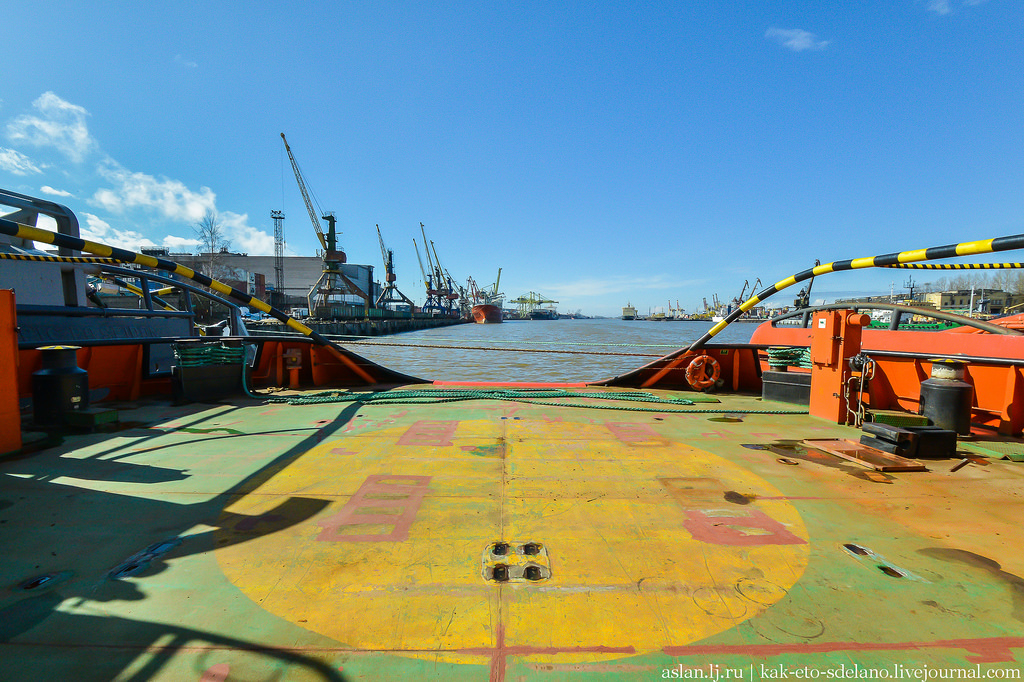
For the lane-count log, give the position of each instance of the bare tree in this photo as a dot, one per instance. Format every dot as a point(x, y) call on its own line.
point(212, 240)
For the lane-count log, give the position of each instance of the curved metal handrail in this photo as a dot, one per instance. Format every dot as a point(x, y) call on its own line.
point(237, 326)
point(899, 310)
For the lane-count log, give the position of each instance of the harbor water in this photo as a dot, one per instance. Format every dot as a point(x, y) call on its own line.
point(564, 350)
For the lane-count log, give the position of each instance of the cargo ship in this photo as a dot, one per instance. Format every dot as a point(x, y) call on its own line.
point(543, 314)
point(628, 312)
point(486, 302)
point(178, 507)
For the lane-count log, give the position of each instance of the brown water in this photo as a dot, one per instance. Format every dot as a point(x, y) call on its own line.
point(520, 350)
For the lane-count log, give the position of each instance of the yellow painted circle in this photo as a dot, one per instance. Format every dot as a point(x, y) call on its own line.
point(645, 549)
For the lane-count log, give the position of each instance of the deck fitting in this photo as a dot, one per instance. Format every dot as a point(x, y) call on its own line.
point(43, 582)
point(515, 562)
point(890, 571)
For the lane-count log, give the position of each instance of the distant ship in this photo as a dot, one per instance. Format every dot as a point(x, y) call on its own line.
point(628, 312)
point(543, 314)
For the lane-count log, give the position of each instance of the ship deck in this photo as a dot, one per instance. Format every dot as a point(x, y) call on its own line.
point(351, 541)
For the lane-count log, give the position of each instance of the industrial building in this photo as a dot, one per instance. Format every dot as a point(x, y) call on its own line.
point(963, 301)
point(255, 275)
point(985, 301)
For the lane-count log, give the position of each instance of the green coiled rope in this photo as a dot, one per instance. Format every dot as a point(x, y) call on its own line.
point(204, 354)
point(193, 354)
point(781, 356)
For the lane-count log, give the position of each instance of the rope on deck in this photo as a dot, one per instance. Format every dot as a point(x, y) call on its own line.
point(530, 396)
point(202, 355)
point(783, 356)
point(356, 339)
point(505, 350)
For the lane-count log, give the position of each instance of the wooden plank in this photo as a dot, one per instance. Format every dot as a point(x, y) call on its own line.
point(865, 455)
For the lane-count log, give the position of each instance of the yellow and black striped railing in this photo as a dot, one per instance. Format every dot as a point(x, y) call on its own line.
point(114, 254)
point(56, 259)
point(958, 266)
point(983, 246)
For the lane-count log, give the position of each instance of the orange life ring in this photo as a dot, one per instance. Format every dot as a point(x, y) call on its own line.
point(703, 372)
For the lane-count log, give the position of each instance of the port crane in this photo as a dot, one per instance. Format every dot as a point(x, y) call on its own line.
point(495, 295)
point(441, 295)
point(490, 295)
point(433, 302)
point(529, 302)
point(390, 293)
point(332, 284)
point(443, 278)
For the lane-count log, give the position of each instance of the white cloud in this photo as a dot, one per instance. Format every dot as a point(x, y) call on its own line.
point(180, 244)
point(795, 39)
point(46, 189)
point(96, 229)
point(188, 63)
point(245, 238)
point(170, 198)
point(15, 162)
point(58, 124)
point(939, 6)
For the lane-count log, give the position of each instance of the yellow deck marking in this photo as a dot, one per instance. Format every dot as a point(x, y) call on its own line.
point(613, 516)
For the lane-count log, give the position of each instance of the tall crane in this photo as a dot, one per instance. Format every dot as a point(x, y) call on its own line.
point(390, 292)
point(432, 302)
point(494, 296)
point(332, 284)
point(445, 295)
point(279, 295)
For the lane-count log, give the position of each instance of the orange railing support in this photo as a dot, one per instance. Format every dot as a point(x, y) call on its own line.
point(10, 414)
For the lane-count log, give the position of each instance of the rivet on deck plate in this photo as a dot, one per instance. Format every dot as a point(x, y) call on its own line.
point(532, 573)
point(35, 582)
point(890, 571)
point(500, 573)
point(44, 582)
point(128, 570)
point(531, 548)
point(856, 549)
point(500, 548)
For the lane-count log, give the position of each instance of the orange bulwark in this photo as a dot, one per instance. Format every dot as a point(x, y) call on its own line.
point(10, 415)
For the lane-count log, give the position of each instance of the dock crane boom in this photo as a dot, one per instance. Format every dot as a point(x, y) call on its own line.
point(418, 258)
point(333, 281)
point(433, 301)
point(305, 197)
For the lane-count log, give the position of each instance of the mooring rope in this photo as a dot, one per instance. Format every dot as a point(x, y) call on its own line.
point(505, 350)
point(341, 338)
point(527, 395)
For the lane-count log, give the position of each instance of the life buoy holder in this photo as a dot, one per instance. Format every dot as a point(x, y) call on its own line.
point(703, 372)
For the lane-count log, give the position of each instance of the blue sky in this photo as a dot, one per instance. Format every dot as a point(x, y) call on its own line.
point(598, 152)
